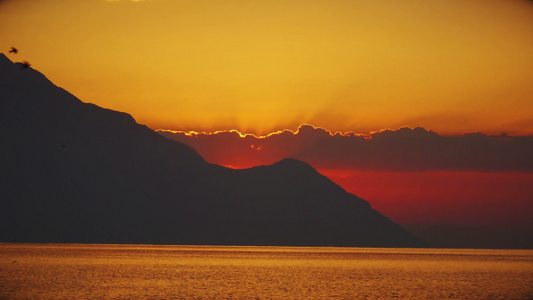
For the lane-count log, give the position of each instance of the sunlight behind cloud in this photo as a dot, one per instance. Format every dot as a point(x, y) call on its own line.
point(402, 150)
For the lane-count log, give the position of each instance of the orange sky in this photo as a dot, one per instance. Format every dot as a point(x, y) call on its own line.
point(257, 66)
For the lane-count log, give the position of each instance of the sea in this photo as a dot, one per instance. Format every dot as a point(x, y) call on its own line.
point(93, 271)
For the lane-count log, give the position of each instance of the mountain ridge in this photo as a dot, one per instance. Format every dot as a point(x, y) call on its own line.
point(76, 172)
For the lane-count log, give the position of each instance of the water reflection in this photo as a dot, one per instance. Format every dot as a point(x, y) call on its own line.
point(48, 271)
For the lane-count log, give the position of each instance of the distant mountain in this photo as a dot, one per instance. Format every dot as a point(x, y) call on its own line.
point(74, 172)
point(463, 236)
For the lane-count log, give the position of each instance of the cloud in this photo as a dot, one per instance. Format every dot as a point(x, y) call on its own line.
point(405, 149)
point(412, 175)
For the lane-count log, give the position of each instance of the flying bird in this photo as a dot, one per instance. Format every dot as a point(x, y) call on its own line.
point(14, 50)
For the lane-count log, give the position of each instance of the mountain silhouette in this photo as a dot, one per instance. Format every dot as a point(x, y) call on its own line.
point(77, 173)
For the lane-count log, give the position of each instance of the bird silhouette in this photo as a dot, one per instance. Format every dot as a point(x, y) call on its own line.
point(14, 50)
point(25, 64)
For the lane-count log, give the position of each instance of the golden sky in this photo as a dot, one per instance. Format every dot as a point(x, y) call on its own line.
point(451, 66)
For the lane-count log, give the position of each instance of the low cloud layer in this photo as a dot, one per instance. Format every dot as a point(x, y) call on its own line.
point(403, 150)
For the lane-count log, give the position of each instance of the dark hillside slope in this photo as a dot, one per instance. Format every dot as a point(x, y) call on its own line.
point(75, 172)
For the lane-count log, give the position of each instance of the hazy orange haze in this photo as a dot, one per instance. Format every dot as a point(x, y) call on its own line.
point(259, 66)
point(359, 66)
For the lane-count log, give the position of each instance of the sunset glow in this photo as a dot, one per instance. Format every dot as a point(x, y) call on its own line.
point(412, 175)
point(469, 198)
point(424, 108)
point(257, 67)
point(266, 149)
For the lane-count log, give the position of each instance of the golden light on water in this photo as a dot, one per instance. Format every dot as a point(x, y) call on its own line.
point(47, 271)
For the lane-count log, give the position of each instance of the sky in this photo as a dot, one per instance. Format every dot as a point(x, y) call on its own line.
point(451, 66)
point(422, 107)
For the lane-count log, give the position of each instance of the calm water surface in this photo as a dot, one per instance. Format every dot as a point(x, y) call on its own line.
point(73, 271)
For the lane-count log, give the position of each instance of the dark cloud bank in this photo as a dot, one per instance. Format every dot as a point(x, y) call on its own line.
point(403, 150)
